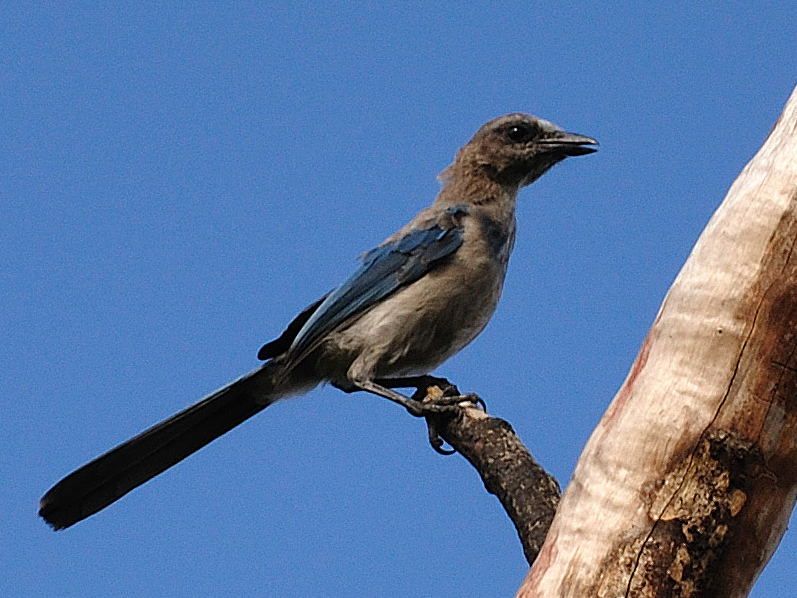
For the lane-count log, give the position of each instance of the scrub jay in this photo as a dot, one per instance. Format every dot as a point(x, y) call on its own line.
point(416, 300)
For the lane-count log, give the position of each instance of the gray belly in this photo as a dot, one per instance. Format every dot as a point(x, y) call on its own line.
point(417, 328)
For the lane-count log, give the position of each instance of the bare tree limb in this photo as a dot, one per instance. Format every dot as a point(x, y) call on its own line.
point(686, 486)
point(527, 492)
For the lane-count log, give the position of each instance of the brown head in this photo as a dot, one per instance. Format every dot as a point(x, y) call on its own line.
point(514, 150)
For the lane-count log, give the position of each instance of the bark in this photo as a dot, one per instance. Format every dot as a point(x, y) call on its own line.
point(687, 484)
point(527, 492)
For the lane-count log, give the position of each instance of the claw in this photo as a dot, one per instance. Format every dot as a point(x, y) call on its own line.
point(432, 397)
point(476, 400)
point(436, 440)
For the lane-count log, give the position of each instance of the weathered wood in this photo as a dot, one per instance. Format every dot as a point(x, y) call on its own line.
point(686, 486)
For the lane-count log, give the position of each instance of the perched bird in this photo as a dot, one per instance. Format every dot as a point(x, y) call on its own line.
point(416, 300)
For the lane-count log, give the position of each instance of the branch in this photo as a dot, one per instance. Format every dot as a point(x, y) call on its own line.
point(527, 492)
point(686, 486)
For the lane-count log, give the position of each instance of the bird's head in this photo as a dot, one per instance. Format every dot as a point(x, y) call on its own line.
point(516, 149)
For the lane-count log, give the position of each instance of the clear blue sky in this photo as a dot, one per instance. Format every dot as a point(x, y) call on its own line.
point(177, 182)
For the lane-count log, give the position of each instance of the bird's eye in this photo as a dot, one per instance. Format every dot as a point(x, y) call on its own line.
point(519, 133)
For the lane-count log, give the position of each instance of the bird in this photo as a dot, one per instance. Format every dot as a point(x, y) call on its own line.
point(415, 300)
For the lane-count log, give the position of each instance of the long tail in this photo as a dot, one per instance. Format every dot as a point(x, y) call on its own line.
point(109, 477)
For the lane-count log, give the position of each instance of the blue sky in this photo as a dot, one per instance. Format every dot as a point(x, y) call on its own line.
point(176, 182)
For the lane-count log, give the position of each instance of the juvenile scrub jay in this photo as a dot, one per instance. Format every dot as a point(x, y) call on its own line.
point(417, 299)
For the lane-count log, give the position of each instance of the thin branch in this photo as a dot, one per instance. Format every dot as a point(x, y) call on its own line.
point(527, 492)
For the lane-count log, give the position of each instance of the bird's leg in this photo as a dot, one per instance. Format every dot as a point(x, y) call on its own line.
point(421, 384)
point(448, 397)
point(416, 407)
point(425, 402)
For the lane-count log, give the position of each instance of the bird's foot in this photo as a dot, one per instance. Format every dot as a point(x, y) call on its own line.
point(431, 394)
point(446, 401)
point(434, 398)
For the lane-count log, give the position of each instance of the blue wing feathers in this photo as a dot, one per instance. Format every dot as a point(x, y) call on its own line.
point(385, 269)
point(283, 343)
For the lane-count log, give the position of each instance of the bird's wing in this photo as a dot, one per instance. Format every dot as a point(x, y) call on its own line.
point(279, 345)
point(385, 269)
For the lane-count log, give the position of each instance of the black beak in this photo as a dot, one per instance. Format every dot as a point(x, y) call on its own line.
point(568, 144)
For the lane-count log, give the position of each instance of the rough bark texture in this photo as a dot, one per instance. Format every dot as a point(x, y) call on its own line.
point(686, 486)
point(527, 492)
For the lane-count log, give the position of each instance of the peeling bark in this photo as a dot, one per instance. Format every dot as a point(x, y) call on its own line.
point(686, 486)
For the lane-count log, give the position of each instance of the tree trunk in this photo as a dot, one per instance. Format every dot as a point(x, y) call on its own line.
point(686, 486)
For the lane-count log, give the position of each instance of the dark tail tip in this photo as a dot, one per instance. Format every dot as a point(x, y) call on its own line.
point(110, 476)
point(52, 515)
